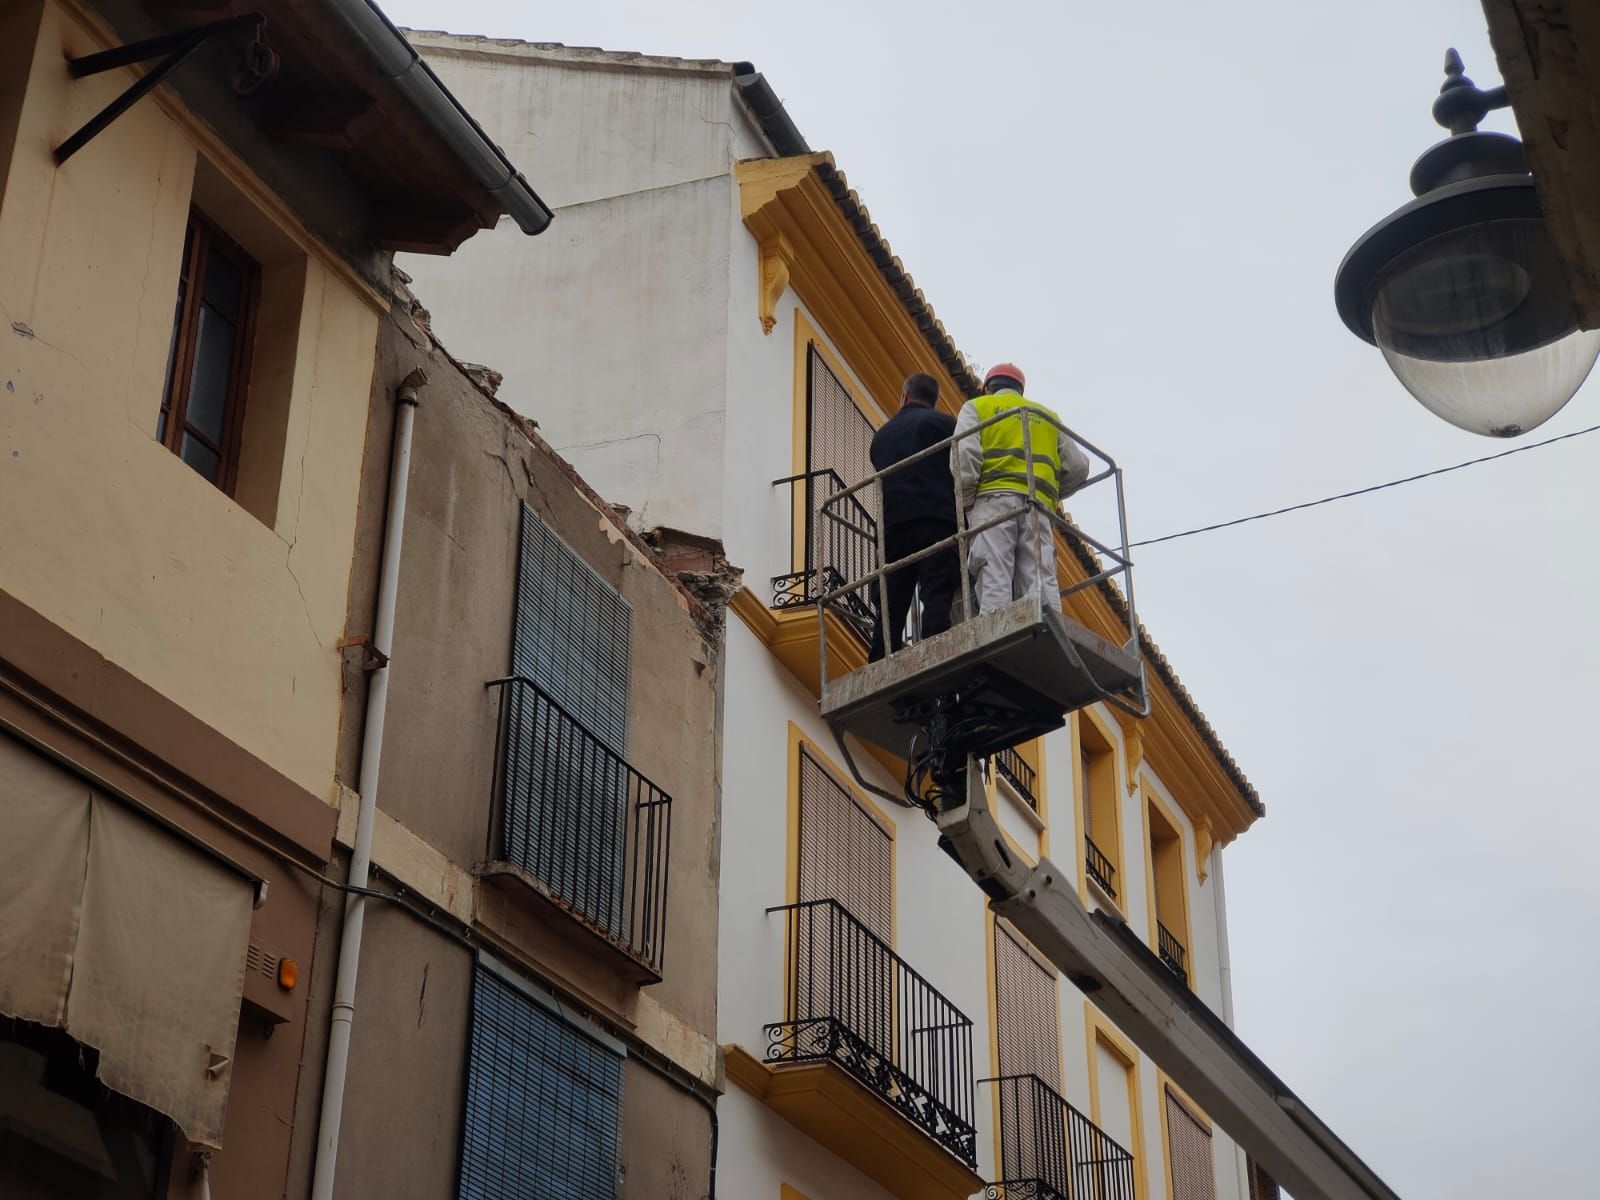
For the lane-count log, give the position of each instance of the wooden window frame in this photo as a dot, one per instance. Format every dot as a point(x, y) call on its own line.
point(201, 236)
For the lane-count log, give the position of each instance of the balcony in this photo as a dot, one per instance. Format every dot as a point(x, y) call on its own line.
point(1170, 950)
point(579, 831)
point(1022, 777)
point(1099, 867)
point(1051, 1151)
point(872, 1061)
point(827, 552)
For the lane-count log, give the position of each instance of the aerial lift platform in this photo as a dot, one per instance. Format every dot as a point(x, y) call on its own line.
point(995, 680)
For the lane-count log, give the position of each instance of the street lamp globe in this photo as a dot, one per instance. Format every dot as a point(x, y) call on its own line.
point(1461, 288)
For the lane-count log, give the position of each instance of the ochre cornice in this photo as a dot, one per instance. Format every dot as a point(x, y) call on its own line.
point(784, 203)
point(808, 245)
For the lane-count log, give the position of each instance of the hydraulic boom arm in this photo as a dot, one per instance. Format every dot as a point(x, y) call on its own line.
point(1167, 1021)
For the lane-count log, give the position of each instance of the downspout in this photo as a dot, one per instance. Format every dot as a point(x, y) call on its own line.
point(355, 905)
point(1219, 904)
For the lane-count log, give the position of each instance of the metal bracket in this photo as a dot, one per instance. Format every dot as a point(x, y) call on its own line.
point(177, 47)
point(372, 659)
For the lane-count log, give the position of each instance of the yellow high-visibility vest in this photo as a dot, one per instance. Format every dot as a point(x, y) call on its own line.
point(1005, 463)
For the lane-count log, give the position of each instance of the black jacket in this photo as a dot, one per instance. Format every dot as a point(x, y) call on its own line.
point(925, 490)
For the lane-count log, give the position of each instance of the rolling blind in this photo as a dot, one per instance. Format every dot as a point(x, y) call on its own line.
point(543, 1103)
point(838, 434)
point(573, 633)
point(1028, 1028)
point(1189, 1153)
point(845, 854)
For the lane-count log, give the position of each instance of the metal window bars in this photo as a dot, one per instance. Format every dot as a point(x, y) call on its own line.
point(576, 818)
point(1016, 771)
point(1111, 564)
point(1051, 1151)
point(1170, 950)
point(854, 1002)
point(826, 554)
point(1099, 867)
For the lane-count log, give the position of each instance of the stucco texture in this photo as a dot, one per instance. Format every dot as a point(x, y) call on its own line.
point(103, 528)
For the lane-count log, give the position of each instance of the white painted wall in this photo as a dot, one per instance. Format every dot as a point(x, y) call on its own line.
point(629, 331)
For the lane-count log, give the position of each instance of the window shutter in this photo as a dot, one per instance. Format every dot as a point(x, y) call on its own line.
point(1025, 1012)
point(1189, 1153)
point(573, 633)
point(845, 855)
point(543, 1104)
point(565, 814)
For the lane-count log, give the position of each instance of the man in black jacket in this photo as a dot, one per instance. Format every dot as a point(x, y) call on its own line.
point(919, 509)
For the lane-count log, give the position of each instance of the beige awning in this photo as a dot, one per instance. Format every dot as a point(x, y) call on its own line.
point(124, 935)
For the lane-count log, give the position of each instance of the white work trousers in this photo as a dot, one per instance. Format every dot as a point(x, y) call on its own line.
point(1014, 557)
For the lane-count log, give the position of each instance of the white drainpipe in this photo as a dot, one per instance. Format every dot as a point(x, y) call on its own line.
point(1219, 899)
point(355, 906)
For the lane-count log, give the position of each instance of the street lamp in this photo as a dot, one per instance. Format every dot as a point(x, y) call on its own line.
point(1461, 288)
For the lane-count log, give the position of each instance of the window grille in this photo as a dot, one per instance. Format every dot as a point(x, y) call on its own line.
point(1189, 1153)
point(543, 1107)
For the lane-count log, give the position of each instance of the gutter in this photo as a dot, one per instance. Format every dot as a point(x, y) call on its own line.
point(398, 61)
point(768, 110)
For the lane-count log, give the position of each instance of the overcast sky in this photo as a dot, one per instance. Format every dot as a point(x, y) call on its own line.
point(1144, 206)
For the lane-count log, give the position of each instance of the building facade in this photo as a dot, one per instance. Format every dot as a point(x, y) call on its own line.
point(712, 343)
point(203, 366)
point(536, 1005)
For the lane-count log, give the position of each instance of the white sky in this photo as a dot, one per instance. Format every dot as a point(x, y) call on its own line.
point(1144, 206)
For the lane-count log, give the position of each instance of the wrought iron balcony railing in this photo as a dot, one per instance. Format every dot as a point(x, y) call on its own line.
point(829, 551)
point(1051, 1151)
point(589, 831)
point(1100, 868)
point(1019, 774)
point(854, 1002)
point(1170, 950)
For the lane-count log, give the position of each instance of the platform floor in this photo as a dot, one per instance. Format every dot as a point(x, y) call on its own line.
point(1021, 658)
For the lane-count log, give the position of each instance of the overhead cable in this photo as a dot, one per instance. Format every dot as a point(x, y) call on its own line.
point(1377, 487)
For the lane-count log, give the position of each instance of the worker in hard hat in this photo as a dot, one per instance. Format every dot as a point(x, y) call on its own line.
point(992, 478)
point(919, 510)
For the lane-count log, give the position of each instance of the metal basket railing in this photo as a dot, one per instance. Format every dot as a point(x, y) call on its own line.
point(1108, 563)
point(827, 553)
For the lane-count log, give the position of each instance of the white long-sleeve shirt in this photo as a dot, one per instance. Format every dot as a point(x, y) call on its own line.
point(966, 456)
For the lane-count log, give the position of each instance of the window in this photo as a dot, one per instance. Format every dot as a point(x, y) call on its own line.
point(1098, 780)
point(1019, 767)
point(544, 1102)
point(1169, 903)
point(838, 445)
point(845, 854)
point(1028, 1042)
point(1028, 1031)
point(208, 360)
point(64, 1132)
point(1189, 1161)
point(566, 786)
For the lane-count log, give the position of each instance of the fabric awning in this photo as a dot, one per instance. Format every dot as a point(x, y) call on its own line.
point(125, 936)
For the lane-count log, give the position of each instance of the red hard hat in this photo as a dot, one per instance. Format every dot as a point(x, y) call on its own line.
point(1008, 370)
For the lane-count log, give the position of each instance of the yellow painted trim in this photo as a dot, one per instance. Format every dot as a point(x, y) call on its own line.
point(823, 1101)
point(785, 1192)
point(1164, 1085)
point(1100, 1031)
point(1149, 799)
point(1079, 799)
point(798, 741)
point(846, 296)
point(991, 970)
point(1103, 729)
